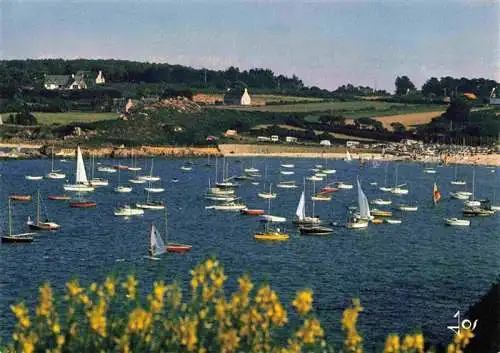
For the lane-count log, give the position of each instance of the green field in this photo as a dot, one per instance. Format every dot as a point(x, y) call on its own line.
point(69, 117)
point(349, 109)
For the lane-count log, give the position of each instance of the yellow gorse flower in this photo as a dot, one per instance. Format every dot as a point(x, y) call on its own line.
point(349, 320)
point(303, 301)
point(139, 320)
point(97, 318)
point(310, 331)
point(74, 288)
point(45, 305)
point(22, 315)
point(188, 329)
point(229, 341)
point(392, 344)
point(27, 342)
point(110, 286)
point(131, 287)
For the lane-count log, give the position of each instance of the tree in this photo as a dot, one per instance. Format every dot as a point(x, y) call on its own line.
point(432, 86)
point(458, 111)
point(398, 127)
point(403, 85)
point(22, 118)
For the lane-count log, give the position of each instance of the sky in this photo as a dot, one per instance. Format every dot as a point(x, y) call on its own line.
point(325, 43)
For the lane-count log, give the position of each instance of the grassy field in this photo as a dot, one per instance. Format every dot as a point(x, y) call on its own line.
point(69, 117)
point(409, 120)
point(349, 109)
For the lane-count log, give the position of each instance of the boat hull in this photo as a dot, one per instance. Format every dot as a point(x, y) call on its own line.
point(21, 238)
point(172, 247)
point(273, 236)
point(82, 204)
point(252, 212)
point(149, 206)
point(32, 177)
point(55, 175)
point(17, 197)
point(315, 230)
point(78, 187)
point(58, 197)
point(44, 226)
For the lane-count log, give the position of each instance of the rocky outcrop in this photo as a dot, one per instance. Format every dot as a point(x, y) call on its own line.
point(140, 152)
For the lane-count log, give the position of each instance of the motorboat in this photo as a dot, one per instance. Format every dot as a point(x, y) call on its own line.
point(381, 202)
point(128, 211)
point(456, 222)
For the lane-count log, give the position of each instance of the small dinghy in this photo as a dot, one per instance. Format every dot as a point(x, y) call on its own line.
point(33, 177)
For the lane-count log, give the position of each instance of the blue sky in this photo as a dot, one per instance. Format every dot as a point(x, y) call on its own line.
point(325, 43)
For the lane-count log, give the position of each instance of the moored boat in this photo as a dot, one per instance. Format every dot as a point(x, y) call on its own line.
point(82, 204)
point(19, 197)
point(456, 222)
point(127, 210)
point(33, 177)
point(41, 225)
point(252, 212)
point(407, 208)
point(392, 221)
point(321, 197)
point(15, 238)
point(58, 197)
point(315, 230)
point(380, 213)
point(81, 182)
point(381, 202)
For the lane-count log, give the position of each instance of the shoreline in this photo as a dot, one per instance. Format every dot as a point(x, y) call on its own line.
point(239, 150)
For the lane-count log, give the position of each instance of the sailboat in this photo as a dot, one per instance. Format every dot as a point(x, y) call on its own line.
point(455, 180)
point(269, 217)
point(472, 202)
point(267, 195)
point(37, 225)
point(150, 204)
point(121, 188)
point(174, 247)
point(252, 169)
point(360, 220)
point(385, 188)
point(81, 182)
point(300, 213)
point(55, 174)
point(271, 234)
point(96, 181)
point(134, 167)
point(322, 196)
point(398, 189)
point(127, 211)
point(149, 177)
point(15, 238)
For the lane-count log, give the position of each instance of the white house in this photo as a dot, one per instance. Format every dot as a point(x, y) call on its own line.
point(275, 138)
point(352, 144)
point(325, 143)
point(245, 98)
point(99, 80)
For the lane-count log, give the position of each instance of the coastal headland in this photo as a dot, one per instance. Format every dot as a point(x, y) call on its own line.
point(243, 150)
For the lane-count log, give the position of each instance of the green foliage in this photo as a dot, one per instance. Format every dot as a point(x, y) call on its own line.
point(403, 85)
point(398, 127)
point(22, 118)
point(458, 111)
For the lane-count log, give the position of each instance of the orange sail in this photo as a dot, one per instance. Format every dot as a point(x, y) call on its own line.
point(436, 195)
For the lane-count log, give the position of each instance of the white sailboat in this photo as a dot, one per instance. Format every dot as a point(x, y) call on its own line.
point(122, 188)
point(134, 167)
point(156, 245)
point(149, 177)
point(270, 218)
point(96, 181)
point(267, 195)
point(54, 174)
point(398, 189)
point(127, 211)
point(385, 188)
point(300, 212)
point(472, 202)
point(457, 181)
point(360, 220)
point(81, 183)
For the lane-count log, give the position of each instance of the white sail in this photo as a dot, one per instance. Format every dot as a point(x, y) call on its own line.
point(364, 208)
point(157, 244)
point(348, 156)
point(81, 176)
point(301, 208)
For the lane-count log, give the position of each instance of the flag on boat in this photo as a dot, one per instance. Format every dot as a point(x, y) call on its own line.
point(436, 195)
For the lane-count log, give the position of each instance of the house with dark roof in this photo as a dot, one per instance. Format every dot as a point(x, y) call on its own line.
point(57, 81)
point(80, 80)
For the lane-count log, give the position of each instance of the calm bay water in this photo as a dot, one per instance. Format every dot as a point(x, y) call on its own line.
point(408, 276)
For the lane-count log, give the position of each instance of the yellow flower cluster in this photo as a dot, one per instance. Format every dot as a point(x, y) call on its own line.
point(131, 287)
point(349, 320)
point(22, 315)
point(310, 331)
point(229, 341)
point(139, 320)
point(461, 340)
point(210, 320)
point(188, 329)
point(45, 305)
point(97, 317)
point(303, 301)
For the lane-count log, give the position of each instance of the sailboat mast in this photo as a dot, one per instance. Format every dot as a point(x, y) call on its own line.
point(52, 166)
point(304, 192)
point(473, 181)
point(314, 193)
point(38, 207)
point(216, 168)
point(10, 220)
point(166, 227)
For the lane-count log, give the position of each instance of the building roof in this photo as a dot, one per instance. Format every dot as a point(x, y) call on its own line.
point(59, 80)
